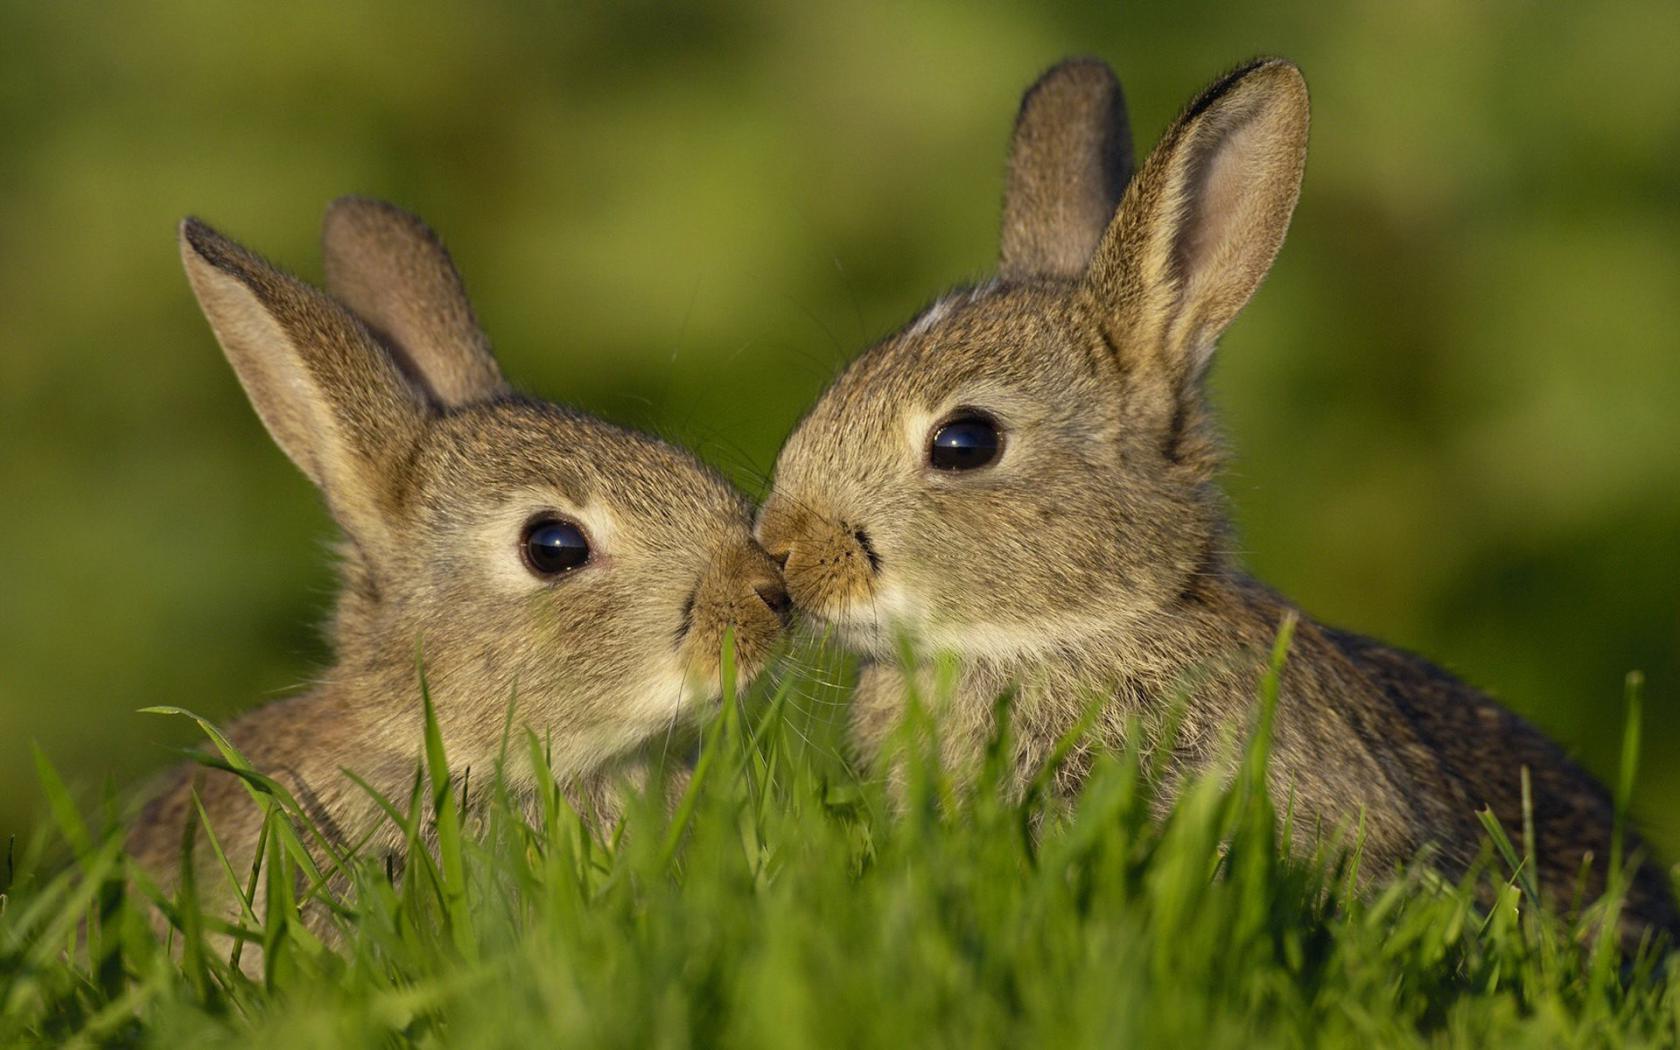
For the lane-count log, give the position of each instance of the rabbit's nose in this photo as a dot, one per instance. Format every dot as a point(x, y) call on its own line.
point(775, 597)
point(778, 525)
point(777, 542)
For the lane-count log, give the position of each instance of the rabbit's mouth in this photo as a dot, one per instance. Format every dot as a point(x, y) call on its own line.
point(702, 689)
point(832, 568)
point(879, 622)
point(740, 597)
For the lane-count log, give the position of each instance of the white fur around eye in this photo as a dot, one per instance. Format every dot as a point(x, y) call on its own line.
point(1008, 409)
point(918, 428)
point(498, 537)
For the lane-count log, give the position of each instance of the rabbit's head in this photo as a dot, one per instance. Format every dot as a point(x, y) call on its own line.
point(519, 551)
point(1030, 461)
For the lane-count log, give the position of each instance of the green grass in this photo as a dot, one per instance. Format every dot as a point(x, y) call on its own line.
point(787, 903)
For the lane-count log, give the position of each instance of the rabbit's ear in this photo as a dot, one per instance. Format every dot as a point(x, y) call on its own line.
point(333, 399)
point(394, 274)
point(1204, 218)
point(1069, 160)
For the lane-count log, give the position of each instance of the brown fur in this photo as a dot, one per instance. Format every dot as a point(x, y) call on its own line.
point(433, 469)
point(1094, 553)
point(1069, 160)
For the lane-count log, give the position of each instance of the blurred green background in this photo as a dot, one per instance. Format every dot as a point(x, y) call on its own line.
point(1453, 405)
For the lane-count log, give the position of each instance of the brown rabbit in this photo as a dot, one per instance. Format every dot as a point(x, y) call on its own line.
point(527, 550)
point(1024, 478)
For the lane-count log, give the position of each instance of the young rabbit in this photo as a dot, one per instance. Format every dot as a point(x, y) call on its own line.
point(1023, 477)
point(525, 552)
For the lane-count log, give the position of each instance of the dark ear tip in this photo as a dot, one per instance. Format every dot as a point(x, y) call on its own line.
point(1284, 86)
point(1276, 76)
point(355, 204)
point(1276, 70)
point(359, 216)
point(1278, 73)
point(1079, 67)
point(194, 232)
point(1077, 73)
point(202, 246)
point(203, 242)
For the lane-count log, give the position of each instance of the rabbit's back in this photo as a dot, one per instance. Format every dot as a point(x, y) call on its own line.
point(1481, 749)
point(1366, 735)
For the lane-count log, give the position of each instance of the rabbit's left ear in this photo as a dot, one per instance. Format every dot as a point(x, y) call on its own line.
point(1069, 160)
point(1202, 222)
point(391, 270)
point(333, 399)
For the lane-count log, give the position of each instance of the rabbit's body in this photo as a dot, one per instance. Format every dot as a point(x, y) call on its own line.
point(1364, 734)
point(314, 768)
point(1024, 478)
point(525, 554)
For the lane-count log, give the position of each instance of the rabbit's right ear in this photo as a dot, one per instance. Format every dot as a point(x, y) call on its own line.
point(333, 399)
point(1069, 161)
point(391, 270)
point(1201, 223)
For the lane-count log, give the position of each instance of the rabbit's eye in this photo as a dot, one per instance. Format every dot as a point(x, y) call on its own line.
point(552, 547)
point(965, 442)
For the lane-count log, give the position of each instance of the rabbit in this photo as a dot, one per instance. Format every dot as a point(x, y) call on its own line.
point(519, 551)
point(1023, 479)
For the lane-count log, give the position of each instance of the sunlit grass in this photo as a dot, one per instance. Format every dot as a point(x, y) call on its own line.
point(786, 902)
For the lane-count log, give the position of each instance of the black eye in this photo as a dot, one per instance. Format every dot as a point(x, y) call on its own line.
point(970, 440)
point(552, 547)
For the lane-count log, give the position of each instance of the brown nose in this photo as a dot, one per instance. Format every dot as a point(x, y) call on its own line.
point(778, 523)
point(774, 537)
point(775, 597)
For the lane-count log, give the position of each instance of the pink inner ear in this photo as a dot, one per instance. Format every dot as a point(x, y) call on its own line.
point(1238, 191)
point(1222, 205)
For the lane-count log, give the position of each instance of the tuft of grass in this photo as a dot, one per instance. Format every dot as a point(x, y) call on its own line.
point(785, 901)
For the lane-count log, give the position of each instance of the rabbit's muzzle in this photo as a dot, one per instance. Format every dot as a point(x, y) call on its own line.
point(741, 590)
point(831, 567)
